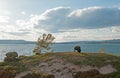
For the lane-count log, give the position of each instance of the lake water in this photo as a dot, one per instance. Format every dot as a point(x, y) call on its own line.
point(26, 49)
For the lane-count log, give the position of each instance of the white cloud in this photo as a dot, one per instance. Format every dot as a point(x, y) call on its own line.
point(116, 29)
point(92, 23)
point(79, 12)
point(23, 13)
point(54, 19)
point(60, 18)
point(87, 34)
point(5, 12)
point(4, 19)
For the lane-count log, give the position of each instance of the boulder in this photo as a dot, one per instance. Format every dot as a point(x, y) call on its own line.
point(11, 56)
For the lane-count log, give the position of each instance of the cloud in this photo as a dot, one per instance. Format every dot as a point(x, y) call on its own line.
point(65, 24)
point(15, 29)
point(54, 19)
point(5, 12)
point(87, 34)
point(18, 33)
point(60, 18)
point(95, 17)
point(23, 13)
point(4, 19)
point(116, 29)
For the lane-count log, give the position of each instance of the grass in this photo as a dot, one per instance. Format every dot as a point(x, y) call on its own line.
point(93, 59)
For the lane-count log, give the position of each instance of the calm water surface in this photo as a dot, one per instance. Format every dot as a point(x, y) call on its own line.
point(26, 49)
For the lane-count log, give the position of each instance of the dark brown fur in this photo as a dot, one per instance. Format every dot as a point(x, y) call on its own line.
point(77, 48)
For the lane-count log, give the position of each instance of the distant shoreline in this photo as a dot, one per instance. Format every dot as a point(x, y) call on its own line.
point(116, 41)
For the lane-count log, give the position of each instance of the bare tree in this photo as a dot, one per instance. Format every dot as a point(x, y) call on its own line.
point(44, 43)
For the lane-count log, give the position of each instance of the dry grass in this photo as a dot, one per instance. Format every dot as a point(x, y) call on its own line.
point(93, 59)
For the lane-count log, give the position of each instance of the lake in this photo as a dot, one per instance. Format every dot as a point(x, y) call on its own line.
point(26, 49)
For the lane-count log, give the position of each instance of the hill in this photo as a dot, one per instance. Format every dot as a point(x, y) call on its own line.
point(114, 41)
point(15, 42)
point(65, 65)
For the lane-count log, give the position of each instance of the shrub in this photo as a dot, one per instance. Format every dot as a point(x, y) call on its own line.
point(44, 43)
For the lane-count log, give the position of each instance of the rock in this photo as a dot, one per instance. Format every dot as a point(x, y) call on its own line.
point(107, 69)
point(11, 56)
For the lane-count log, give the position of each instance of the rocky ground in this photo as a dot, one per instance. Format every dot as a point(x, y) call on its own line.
point(61, 69)
point(69, 65)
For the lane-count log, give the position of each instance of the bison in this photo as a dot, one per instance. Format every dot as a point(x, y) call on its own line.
point(77, 48)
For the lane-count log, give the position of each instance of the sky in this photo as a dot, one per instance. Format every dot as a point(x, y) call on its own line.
point(67, 20)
